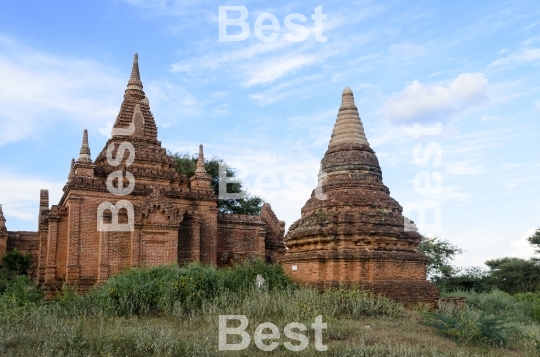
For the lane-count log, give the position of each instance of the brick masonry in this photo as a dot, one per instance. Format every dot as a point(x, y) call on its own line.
point(351, 231)
point(175, 218)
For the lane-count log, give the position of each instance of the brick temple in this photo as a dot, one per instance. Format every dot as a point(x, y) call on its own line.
point(351, 231)
point(174, 218)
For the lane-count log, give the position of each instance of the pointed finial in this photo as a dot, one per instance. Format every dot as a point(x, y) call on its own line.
point(200, 161)
point(135, 86)
point(348, 127)
point(347, 91)
point(84, 155)
point(347, 97)
point(2, 218)
point(200, 179)
point(72, 169)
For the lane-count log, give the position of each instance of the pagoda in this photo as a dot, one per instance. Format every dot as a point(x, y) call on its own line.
point(351, 231)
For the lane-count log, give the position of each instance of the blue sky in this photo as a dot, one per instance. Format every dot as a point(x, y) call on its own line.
point(269, 107)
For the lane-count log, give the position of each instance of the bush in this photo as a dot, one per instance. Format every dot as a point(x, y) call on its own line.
point(473, 327)
point(496, 302)
point(530, 304)
point(19, 292)
point(167, 288)
point(16, 262)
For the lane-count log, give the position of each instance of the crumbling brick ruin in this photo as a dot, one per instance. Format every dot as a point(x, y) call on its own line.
point(351, 231)
point(163, 217)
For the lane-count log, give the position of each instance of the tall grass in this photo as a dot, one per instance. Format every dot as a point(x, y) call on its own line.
point(494, 318)
point(168, 289)
point(173, 290)
point(173, 311)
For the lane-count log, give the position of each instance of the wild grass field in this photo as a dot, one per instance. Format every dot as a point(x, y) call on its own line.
point(174, 311)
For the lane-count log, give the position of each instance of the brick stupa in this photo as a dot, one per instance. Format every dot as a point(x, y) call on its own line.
point(351, 231)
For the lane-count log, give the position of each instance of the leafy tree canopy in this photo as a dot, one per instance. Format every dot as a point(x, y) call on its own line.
point(440, 253)
point(534, 240)
point(187, 163)
point(515, 275)
point(16, 262)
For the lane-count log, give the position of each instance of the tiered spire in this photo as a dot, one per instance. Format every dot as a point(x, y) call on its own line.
point(135, 86)
point(348, 128)
point(84, 155)
point(201, 179)
point(2, 222)
point(200, 161)
point(72, 169)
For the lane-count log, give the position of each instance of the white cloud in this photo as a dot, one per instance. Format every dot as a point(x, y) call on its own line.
point(284, 89)
point(38, 88)
point(451, 194)
point(407, 50)
point(170, 102)
point(523, 55)
point(275, 68)
point(537, 104)
point(521, 247)
point(218, 60)
point(463, 168)
point(424, 102)
point(19, 194)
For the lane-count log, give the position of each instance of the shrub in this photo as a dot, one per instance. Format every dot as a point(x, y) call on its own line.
point(167, 288)
point(18, 293)
point(495, 302)
point(530, 304)
point(16, 262)
point(470, 326)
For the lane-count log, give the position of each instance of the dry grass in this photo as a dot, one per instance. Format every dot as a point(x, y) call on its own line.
point(153, 313)
point(41, 333)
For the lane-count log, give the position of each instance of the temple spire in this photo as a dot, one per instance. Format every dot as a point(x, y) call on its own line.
point(200, 161)
point(72, 169)
point(348, 128)
point(135, 86)
point(200, 179)
point(84, 155)
point(3, 232)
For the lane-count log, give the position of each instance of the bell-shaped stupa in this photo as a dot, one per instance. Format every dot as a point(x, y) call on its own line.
point(351, 231)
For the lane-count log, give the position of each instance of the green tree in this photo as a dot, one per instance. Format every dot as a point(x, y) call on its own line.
point(468, 279)
point(440, 253)
point(534, 240)
point(515, 275)
point(16, 262)
point(186, 164)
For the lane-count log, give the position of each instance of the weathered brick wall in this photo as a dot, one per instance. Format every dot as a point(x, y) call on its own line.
point(25, 242)
point(239, 237)
point(275, 231)
point(175, 217)
point(351, 231)
point(3, 241)
point(3, 244)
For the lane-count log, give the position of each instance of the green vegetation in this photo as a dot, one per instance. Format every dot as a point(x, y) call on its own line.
point(16, 263)
point(440, 254)
point(512, 275)
point(534, 239)
point(186, 164)
point(173, 311)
